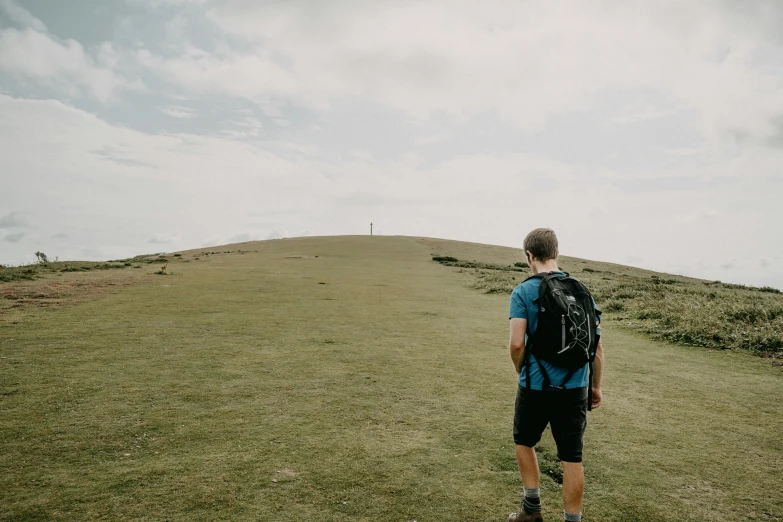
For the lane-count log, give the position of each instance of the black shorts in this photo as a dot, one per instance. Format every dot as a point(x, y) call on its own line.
point(564, 410)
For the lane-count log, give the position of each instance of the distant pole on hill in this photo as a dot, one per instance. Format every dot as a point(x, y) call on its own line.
point(370, 228)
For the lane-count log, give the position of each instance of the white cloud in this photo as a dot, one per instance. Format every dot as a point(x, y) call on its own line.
point(526, 61)
point(254, 76)
point(13, 238)
point(640, 111)
point(683, 151)
point(164, 239)
point(155, 4)
point(64, 64)
point(20, 15)
point(14, 220)
point(179, 112)
point(243, 237)
point(432, 138)
point(244, 126)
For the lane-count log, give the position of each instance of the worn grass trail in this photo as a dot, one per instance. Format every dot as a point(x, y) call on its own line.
point(351, 378)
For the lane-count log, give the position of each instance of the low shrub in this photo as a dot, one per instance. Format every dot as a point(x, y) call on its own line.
point(11, 273)
point(75, 269)
point(613, 305)
point(453, 261)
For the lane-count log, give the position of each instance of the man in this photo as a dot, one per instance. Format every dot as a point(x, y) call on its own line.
point(561, 403)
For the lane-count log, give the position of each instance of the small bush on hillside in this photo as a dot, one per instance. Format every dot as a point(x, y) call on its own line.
point(108, 266)
point(613, 305)
point(494, 282)
point(658, 281)
point(520, 264)
point(453, 261)
point(19, 273)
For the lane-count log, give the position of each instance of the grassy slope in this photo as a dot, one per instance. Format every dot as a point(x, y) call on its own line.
point(241, 388)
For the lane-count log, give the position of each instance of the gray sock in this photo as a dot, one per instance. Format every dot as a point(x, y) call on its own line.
point(532, 500)
point(572, 517)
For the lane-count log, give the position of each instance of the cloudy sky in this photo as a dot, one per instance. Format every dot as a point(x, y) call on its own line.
point(645, 133)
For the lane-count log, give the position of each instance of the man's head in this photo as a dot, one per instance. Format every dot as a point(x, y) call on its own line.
point(541, 244)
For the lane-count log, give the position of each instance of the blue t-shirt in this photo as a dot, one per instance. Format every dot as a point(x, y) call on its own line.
point(522, 307)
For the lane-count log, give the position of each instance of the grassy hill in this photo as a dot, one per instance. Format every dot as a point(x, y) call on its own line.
point(352, 379)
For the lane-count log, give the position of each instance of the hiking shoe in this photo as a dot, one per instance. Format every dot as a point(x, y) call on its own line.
point(524, 516)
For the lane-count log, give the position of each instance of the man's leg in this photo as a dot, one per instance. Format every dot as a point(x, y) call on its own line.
point(530, 419)
point(573, 486)
point(568, 427)
point(528, 466)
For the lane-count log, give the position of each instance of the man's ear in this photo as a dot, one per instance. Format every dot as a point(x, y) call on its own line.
point(529, 256)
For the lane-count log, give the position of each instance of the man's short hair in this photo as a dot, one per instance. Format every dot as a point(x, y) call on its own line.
point(542, 243)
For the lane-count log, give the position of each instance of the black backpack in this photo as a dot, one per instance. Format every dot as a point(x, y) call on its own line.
point(566, 335)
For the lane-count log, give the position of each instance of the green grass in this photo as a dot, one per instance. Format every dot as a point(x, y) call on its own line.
point(35, 271)
point(38, 270)
point(678, 309)
point(241, 388)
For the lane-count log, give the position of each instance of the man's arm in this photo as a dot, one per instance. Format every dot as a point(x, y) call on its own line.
point(516, 344)
point(598, 370)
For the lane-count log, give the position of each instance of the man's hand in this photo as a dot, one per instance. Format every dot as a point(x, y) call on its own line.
point(598, 398)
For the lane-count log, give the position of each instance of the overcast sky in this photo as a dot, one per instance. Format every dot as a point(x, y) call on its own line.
point(644, 133)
